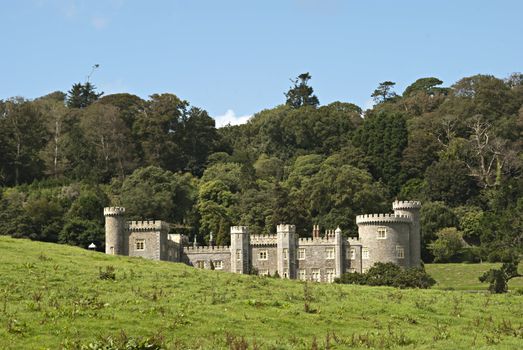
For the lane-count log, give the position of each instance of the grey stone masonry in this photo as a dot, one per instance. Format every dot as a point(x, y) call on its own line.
point(381, 238)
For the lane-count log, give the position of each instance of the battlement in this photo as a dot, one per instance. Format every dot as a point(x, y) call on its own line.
point(239, 229)
point(382, 218)
point(206, 249)
point(316, 240)
point(114, 211)
point(263, 240)
point(406, 205)
point(286, 228)
point(148, 225)
point(353, 241)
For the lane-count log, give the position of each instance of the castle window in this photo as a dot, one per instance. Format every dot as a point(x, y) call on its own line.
point(365, 253)
point(316, 275)
point(285, 273)
point(263, 255)
point(285, 253)
point(238, 254)
point(218, 264)
point(200, 264)
point(352, 253)
point(263, 273)
point(302, 274)
point(382, 233)
point(329, 253)
point(112, 250)
point(329, 275)
point(140, 244)
point(400, 252)
point(301, 254)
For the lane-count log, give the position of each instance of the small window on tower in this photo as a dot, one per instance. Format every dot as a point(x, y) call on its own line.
point(140, 244)
point(301, 254)
point(200, 264)
point(238, 254)
point(302, 274)
point(262, 255)
point(352, 254)
point(382, 233)
point(316, 276)
point(400, 252)
point(218, 264)
point(329, 253)
point(329, 275)
point(285, 253)
point(365, 253)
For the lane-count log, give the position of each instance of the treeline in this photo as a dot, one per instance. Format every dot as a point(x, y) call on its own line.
point(458, 149)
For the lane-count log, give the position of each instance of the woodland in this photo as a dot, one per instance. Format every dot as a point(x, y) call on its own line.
point(457, 148)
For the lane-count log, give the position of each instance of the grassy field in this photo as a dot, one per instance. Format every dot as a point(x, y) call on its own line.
point(465, 276)
point(52, 297)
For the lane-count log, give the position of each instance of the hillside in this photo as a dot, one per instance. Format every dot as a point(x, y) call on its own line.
point(51, 296)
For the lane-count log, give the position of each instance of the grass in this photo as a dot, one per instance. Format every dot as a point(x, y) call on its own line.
point(54, 296)
point(465, 276)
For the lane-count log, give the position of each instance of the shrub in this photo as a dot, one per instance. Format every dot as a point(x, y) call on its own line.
point(389, 274)
point(498, 278)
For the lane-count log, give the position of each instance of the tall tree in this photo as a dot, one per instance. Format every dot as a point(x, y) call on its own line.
point(82, 95)
point(23, 135)
point(301, 94)
point(383, 92)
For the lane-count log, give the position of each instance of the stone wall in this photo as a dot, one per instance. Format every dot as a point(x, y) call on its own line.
point(201, 257)
point(270, 265)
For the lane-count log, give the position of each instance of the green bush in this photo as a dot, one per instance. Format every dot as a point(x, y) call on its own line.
point(390, 274)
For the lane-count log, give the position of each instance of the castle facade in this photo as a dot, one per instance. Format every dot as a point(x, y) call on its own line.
point(381, 238)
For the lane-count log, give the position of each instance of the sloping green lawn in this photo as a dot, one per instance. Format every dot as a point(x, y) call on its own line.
point(465, 276)
point(51, 297)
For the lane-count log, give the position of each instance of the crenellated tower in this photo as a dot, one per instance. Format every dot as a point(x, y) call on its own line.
point(240, 259)
point(412, 209)
point(116, 233)
point(286, 250)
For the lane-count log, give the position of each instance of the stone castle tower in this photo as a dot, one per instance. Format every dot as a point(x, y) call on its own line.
point(116, 233)
point(391, 237)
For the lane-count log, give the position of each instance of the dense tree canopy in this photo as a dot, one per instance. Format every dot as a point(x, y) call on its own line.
point(456, 148)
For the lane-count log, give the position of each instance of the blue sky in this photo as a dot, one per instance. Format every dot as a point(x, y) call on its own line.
point(235, 58)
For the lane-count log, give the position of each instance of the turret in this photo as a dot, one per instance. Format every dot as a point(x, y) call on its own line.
point(411, 208)
point(338, 251)
point(240, 259)
point(286, 250)
point(384, 238)
point(116, 234)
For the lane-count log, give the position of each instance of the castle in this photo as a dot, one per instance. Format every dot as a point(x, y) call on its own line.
point(381, 238)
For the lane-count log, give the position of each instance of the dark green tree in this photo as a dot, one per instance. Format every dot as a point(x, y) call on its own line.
point(82, 95)
point(498, 278)
point(301, 94)
point(382, 138)
point(383, 92)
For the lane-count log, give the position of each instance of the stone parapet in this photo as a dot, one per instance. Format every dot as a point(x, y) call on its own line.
point(263, 239)
point(148, 225)
point(114, 211)
point(406, 205)
point(240, 229)
point(382, 218)
point(353, 241)
point(316, 241)
point(206, 249)
point(286, 228)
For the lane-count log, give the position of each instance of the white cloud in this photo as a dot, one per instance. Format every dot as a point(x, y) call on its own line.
point(230, 118)
point(368, 104)
point(99, 22)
